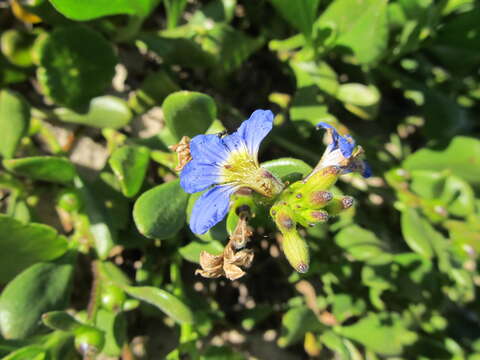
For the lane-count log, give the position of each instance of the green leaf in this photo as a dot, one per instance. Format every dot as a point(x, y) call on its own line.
point(420, 236)
point(112, 273)
point(30, 352)
point(163, 300)
point(176, 49)
point(300, 13)
point(308, 73)
point(129, 164)
point(360, 99)
point(92, 9)
point(14, 121)
point(363, 245)
point(41, 288)
point(459, 196)
point(22, 245)
point(359, 25)
point(189, 113)
point(192, 250)
point(159, 213)
point(45, 168)
point(228, 47)
point(76, 64)
point(383, 333)
point(61, 320)
point(288, 169)
point(114, 325)
point(455, 43)
point(295, 323)
point(100, 225)
point(16, 46)
point(103, 112)
point(461, 157)
point(174, 9)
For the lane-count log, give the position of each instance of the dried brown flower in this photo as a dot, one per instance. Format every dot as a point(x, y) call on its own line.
point(231, 261)
point(183, 152)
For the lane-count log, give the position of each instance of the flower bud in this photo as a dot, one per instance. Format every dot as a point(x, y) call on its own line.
point(320, 198)
point(89, 341)
point(312, 217)
point(322, 179)
point(339, 204)
point(296, 250)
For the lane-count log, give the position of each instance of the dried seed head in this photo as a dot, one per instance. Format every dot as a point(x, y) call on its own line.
point(183, 152)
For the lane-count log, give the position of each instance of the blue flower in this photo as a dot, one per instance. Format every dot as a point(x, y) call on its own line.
point(343, 153)
point(223, 165)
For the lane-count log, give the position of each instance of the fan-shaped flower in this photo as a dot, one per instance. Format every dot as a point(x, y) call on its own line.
point(343, 153)
point(225, 164)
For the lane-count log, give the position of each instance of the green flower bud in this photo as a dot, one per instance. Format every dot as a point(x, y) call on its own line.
point(312, 217)
point(320, 198)
point(321, 179)
point(69, 200)
point(112, 297)
point(296, 250)
point(89, 341)
point(339, 204)
point(294, 246)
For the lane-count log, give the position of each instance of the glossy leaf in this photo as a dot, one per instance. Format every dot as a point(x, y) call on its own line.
point(100, 224)
point(288, 169)
point(40, 288)
point(189, 113)
point(462, 157)
point(359, 26)
point(360, 99)
point(129, 164)
point(67, 73)
point(25, 244)
point(31, 352)
point(164, 301)
point(45, 168)
point(363, 245)
point(192, 250)
point(295, 323)
point(114, 326)
point(420, 236)
point(14, 121)
point(300, 14)
point(16, 46)
point(92, 9)
point(159, 213)
point(383, 333)
point(103, 112)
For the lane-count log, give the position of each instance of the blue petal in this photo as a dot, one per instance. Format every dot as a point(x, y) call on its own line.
point(254, 130)
point(346, 144)
point(210, 208)
point(367, 170)
point(197, 176)
point(208, 149)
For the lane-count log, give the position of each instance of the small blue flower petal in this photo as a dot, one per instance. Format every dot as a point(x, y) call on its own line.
point(210, 208)
point(346, 144)
point(254, 130)
point(208, 149)
point(367, 171)
point(197, 176)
